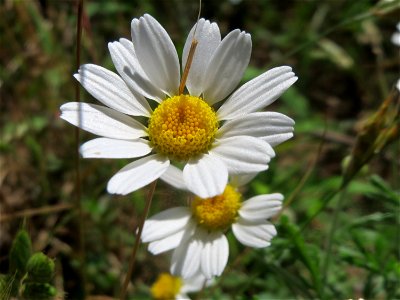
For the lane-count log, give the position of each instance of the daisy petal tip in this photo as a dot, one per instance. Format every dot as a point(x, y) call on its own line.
point(283, 69)
point(147, 16)
point(287, 68)
point(113, 189)
point(134, 23)
point(65, 107)
point(111, 45)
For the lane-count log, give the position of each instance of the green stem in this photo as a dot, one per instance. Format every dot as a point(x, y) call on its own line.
point(334, 226)
point(137, 240)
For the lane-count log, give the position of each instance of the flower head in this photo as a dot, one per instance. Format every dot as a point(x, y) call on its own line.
point(196, 234)
point(183, 127)
point(168, 287)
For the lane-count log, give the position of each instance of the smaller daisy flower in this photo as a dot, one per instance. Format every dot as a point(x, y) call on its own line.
point(168, 287)
point(196, 234)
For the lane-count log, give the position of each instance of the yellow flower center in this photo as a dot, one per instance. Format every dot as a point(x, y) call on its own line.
point(166, 287)
point(219, 212)
point(182, 127)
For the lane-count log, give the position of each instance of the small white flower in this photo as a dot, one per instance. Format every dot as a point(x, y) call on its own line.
point(196, 233)
point(183, 128)
point(396, 36)
point(171, 287)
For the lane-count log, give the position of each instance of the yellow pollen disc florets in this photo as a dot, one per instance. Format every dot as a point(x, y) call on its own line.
point(219, 212)
point(166, 287)
point(182, 127)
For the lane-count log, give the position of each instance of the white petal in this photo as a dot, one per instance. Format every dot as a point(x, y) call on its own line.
point(168, 243)
point(156, 54)
point(111, 90)
point(208, 38)
point(172, 241)
point(185, 261)
point(256, 235)
point(194, 283)
point(239, 180)
point(396, 38)
point(174, 176)
point(137, 174)
point(272, 127)
point(214, 255)
point(243, 154)
point(206, 177)
point(257, 93)
point(102, 121)
point(165, 223)
point(124, 58)
point(112, 148)
point(227, 66)
point(182, 296)
point(261, 207)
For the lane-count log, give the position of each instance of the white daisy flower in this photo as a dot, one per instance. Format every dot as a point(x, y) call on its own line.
point(168, 287)
point(396, 36)
point(196, 233)
point(183, 128)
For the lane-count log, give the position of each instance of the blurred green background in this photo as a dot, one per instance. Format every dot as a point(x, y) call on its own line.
point(347, 66)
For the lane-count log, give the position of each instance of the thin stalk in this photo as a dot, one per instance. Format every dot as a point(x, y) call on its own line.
point(36, 211)
point(78, 204)
point(149, 198)
point(188, 64)
point(189, 60)
point(325, 266)
point(308, 173)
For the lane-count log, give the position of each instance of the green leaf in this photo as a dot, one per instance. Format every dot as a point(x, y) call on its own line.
point(20, 252)
point(383, 191)
point(8, 287)
point(305, 253)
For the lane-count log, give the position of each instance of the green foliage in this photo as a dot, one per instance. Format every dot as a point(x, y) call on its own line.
point(38, 291)
point(20, 252)
point(30, 275)
point(40, 268)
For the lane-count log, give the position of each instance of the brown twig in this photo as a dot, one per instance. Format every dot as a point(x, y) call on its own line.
point(78, 204)
point(35, 211)
point(190, 56)
point(137, 240)
point(188, 64)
